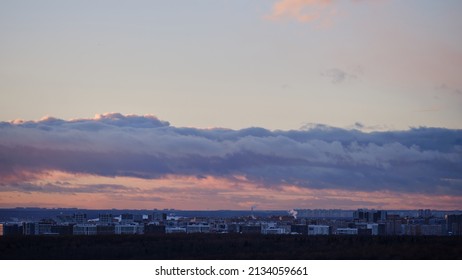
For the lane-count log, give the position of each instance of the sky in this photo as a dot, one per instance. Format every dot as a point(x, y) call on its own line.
point(273, 104)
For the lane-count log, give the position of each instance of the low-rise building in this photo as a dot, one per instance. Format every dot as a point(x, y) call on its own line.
point(273, 230)
point(154, 228)
point(410, 229)
point(105, 229)
point(12, 229)
point(44, 228)
point(80, 218)
point(250, 229)
point(175, 230)
point(374, 228)
point(62, 229)
point(432, 230)
point(105, 219)
point(30, 228)
point(158, 216)
point(454, 224)
point(300, 229)
point(393, 225)
point(84, 229)
point(319, 230)
point(198, 228)
point(127, 218)
point(347, 231)
point(129, 229)
point(233, 228)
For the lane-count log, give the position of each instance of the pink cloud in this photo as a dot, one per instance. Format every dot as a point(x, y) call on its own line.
point(58, 189)
point(320, 11)
point(303, 10)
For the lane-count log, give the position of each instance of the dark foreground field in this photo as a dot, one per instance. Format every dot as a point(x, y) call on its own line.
point(214, 246)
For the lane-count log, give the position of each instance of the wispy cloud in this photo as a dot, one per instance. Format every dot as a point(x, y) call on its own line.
point(338, 76)
point(444, 88)
point(419, 160)
point(303, 10)
point(64, 188)
point(321, 12)
point(368, 128)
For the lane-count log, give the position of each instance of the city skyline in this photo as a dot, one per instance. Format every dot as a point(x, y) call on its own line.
point(270, 104)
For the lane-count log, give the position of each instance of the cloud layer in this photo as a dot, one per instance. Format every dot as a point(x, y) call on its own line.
point(419, 160)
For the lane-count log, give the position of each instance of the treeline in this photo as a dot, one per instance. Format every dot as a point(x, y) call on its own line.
point(228, 246)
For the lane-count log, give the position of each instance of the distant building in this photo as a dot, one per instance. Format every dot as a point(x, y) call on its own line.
point(347, 231)
point(62, 229)
point(411, 229)
point(12, 229)
point(374, 228)
point(361, 214)
point(419, 229)
point(322, 213)
point(362, 228)
point(153, 229)
point(105, 229)
point(366, 228)
point(234, 228)
point(175, 230)
point(105, 219)
point(454, 224)
point(431, 229)
point(68, 219)
point(218, 227)
point(393, 225)
point(427, 213)
point(319, 230)
point(198, 228)
point(158, 216)
point(273, 230)
point(138, 218)
point(44, 227)
point(370, 216)
point(250, 229)
point(80, 218)
point(127, 218)
point(30, 228)
point(300, 229)
point(382, 229)
point(124, 229)
point(84, 229)
point(364, 231)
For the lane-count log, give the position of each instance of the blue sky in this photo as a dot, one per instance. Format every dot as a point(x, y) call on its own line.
point(234, 63)
point(275, 103)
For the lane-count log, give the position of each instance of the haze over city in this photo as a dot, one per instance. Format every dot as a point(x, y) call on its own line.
point(265, 104)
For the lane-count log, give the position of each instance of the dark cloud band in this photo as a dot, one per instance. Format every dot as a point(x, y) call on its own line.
point(423, 160)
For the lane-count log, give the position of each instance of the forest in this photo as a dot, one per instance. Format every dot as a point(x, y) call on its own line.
point(229, 246)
